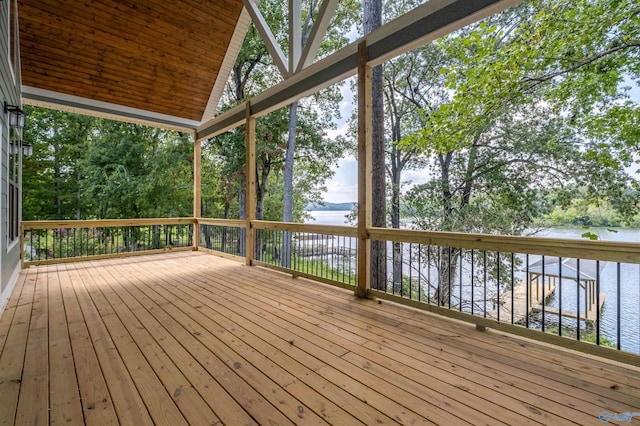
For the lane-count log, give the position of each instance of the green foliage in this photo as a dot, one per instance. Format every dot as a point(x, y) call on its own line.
point(85, 168)
point(527, 110)
point(585, 336)
point(579, 209)
point(52, 175)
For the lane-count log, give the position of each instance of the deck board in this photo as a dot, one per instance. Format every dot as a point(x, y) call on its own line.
point(191, 338)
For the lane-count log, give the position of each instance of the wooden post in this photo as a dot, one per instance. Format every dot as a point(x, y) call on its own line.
point(197, 190)
point(250, 190)
point(364, 171)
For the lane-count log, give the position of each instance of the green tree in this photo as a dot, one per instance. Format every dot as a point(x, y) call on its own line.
point(531, 92)
point(52, 176)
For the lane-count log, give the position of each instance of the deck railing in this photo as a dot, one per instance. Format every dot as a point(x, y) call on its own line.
point(565, 291)
point(567, 288)
point(222, 236)
point(320, 252)
point(46, 242)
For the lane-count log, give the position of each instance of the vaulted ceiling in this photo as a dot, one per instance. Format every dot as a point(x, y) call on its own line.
point(167, 59)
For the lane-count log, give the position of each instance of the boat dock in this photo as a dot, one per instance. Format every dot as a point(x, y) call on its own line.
point(542, 280)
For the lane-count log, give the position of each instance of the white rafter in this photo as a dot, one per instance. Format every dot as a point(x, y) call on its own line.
point(295, 33)
point(267, 37)
point(423, 24)
point(317, 33)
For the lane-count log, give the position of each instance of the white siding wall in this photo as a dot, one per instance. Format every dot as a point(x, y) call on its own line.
point(9, 92)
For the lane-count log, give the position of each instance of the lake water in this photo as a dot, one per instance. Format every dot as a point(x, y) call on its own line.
point(627, 295)
point(338, 217)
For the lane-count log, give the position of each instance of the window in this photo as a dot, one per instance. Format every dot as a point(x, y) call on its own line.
point(13, 190)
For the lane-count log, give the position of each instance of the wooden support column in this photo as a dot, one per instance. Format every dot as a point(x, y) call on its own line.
point(364, 171)
point(250, 190)
point(197, 189)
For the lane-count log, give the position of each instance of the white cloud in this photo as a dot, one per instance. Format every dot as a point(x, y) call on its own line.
point(343, 187)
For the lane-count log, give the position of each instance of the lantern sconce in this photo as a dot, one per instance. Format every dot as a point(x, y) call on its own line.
point(16, 116)
point(27, 149)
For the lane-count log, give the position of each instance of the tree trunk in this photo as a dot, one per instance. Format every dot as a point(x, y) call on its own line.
point(78, 196)
point(446, 275)
point(287, 209)
point(223, 247)
point(261, 188)
point(446, 263)
point(397, 164)
point(261, 192)
point(373, 20)
point(396, 169)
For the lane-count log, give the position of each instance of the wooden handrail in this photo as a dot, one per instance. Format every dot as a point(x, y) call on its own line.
point(614, 251)
point(53, 224)
point(583, 249)
point(222, 222)
point(343, 231)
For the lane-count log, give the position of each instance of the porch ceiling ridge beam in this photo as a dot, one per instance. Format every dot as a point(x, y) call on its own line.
point(426, 23)
point(267, 37)
point(318, 31)
point(77, 104)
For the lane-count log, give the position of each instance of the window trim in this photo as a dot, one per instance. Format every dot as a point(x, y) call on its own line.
point(12, 39)
point(14, 187)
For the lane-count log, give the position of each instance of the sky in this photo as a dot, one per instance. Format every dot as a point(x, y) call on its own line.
point(343, 187)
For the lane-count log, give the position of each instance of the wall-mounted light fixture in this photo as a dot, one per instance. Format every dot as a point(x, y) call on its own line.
point(15, 148)
point(27, 149)
point(16, 116)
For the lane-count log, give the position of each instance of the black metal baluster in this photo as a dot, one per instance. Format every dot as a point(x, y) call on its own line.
point(598, 301)
point(429, 273)
point(543, 297)
point(513, 288)
point(410, 274)
point(618, 305)
point(498, 282)
point(294, 259)
point(419, 272)
point(472, 279)
point(460, 300)
point(350, 260)
point(449, 278)
point(484, 296)
point(333, 257)
point(559, 296)
point(578, 299)
point(527, 295)
point(439, 275)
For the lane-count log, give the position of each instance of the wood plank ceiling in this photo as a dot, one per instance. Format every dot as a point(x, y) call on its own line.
point(162, 56)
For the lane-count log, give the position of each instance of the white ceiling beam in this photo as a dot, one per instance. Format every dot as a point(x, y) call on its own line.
point(318, 31)
point(267, 37)
point(61, 101)
point(235, 44)
point(426, 23)
point(295, 33)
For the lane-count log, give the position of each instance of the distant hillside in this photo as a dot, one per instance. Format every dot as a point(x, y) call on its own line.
point(326, 206)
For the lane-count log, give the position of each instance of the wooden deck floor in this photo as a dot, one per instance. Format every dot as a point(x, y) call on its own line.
point(190, 338)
